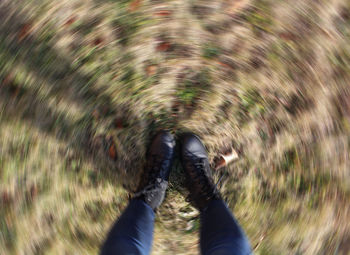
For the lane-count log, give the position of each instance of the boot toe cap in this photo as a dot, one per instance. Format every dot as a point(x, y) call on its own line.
point(163, 142)
point(192, 146)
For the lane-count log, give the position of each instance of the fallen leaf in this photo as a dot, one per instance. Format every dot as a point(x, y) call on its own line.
point(219, 162)
point(225, 158)
point(119, 123)
point(33, 191)
point(25, 31)
point(163, 46)
point(112, 151)
point(227, 63)
point(115, 77)
point(6, 198)
point(223, 64)
point(287, 36)
point(98, 41)
point(70, 21)
point(151, 70)
point(163, 13)
point(134, 5)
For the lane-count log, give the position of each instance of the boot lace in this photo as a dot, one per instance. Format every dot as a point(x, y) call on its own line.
point(154, 167)
point(200, 176)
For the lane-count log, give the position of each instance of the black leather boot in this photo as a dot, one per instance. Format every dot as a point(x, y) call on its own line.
point(154, 180)
point(196, 165)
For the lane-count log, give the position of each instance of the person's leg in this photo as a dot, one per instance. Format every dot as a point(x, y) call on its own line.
point(133, 231)
point(220, 232)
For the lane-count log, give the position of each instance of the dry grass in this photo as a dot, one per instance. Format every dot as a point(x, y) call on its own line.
point(84, 84)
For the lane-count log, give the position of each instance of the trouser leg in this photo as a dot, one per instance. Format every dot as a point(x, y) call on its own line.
point(220, 232)
point(133, 231)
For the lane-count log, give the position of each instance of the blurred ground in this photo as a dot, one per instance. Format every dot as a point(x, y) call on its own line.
point(84, 84)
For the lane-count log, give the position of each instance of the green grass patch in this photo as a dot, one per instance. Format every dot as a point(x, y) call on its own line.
point(126, 25)
point(259, 17)
point(210, 51)
point(187, 95)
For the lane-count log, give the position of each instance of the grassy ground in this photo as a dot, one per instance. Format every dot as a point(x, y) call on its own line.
point(84, 84)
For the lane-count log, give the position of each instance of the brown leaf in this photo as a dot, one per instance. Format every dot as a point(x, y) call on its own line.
point(288, 36)
point(6, 198)
point(163, 13)
point(228, 63)
point(163, 46)
point(119, 123)
point(25, 31)
point(225, 158)
point(70, 21)
point(134, 5)
point(115, 77)
point(223, 64)
point(112, 151)
point(219, 162)
point(98, 41)
point(33, 191)
point(151, 70)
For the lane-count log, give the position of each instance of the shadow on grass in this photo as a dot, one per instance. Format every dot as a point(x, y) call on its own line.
point(70, 85)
